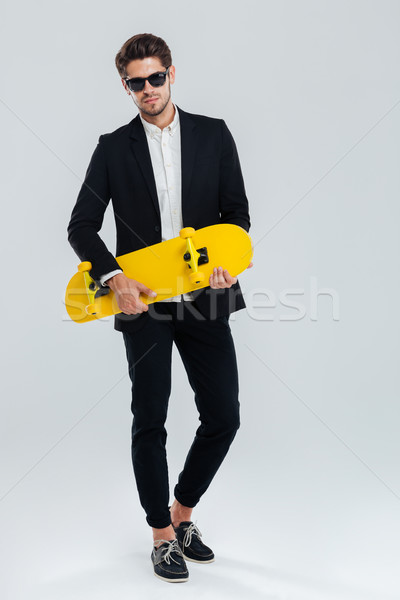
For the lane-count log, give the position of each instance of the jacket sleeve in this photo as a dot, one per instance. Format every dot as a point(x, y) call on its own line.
point(88, 214)
point(233, 203)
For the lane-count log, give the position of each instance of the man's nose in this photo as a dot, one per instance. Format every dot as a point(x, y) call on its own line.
point(147, 87)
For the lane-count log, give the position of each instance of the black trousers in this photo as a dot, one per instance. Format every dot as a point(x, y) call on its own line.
point(208, 354)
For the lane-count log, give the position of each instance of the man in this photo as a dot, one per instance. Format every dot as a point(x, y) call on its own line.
point(164, 170)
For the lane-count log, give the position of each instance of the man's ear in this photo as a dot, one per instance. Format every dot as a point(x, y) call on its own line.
point(172, 74)
point(125, 86)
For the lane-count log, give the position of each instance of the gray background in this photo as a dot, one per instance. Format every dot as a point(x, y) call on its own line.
point(306, 504)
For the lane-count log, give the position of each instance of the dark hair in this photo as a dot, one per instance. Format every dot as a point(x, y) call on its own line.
point(142, 45)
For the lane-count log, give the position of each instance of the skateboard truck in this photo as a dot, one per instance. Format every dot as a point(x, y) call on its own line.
point(193, 257)
point(93, 290)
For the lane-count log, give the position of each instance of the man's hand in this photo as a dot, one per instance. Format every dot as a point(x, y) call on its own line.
point(220, 278)
point(127, 292)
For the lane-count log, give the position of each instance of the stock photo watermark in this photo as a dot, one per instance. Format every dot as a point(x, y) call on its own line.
point(262, 304)
point(292, 304)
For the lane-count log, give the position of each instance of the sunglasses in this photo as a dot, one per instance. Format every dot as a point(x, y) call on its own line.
point(136, 84)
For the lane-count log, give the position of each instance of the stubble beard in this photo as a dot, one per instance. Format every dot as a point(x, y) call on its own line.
point(156, 111)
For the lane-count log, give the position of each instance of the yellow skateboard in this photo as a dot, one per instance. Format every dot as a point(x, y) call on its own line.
point(182, 264)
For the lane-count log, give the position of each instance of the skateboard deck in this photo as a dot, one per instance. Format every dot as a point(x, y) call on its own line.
point(176, 266)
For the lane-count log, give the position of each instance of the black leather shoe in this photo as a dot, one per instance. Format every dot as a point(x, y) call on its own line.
point(168, 562)
point(189, 539)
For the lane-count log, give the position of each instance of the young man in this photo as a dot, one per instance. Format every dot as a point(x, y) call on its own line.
point(165, 170)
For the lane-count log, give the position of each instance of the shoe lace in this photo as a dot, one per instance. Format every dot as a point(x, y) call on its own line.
point(192, 529)
point(173, 547)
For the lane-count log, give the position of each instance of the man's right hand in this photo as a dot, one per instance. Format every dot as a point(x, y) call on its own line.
point(127, 293)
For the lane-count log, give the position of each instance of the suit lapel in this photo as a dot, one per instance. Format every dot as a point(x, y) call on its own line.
point(140, 149)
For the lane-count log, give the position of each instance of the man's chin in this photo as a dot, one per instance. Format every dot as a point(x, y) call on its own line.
point(153, 109)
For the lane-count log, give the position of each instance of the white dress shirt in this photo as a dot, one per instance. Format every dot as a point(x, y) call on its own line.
point(165, 153)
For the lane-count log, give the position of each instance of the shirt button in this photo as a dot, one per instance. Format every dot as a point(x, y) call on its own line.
point(157, 228)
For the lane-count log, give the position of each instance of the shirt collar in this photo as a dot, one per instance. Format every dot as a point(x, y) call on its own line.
point(154, 130)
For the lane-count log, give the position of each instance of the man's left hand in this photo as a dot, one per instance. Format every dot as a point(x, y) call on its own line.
point(220, 278)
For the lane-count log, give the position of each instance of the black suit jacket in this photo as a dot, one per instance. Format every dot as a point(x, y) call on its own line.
point(121, 170)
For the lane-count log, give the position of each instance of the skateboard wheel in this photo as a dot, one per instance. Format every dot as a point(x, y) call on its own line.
point(91, 309)
point(196, 277)
point(84, 266)
point(187, 232)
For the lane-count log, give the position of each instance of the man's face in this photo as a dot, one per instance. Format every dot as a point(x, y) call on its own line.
point(159, 96)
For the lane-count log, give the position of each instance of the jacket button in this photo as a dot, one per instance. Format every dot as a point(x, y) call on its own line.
point(157, 228)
